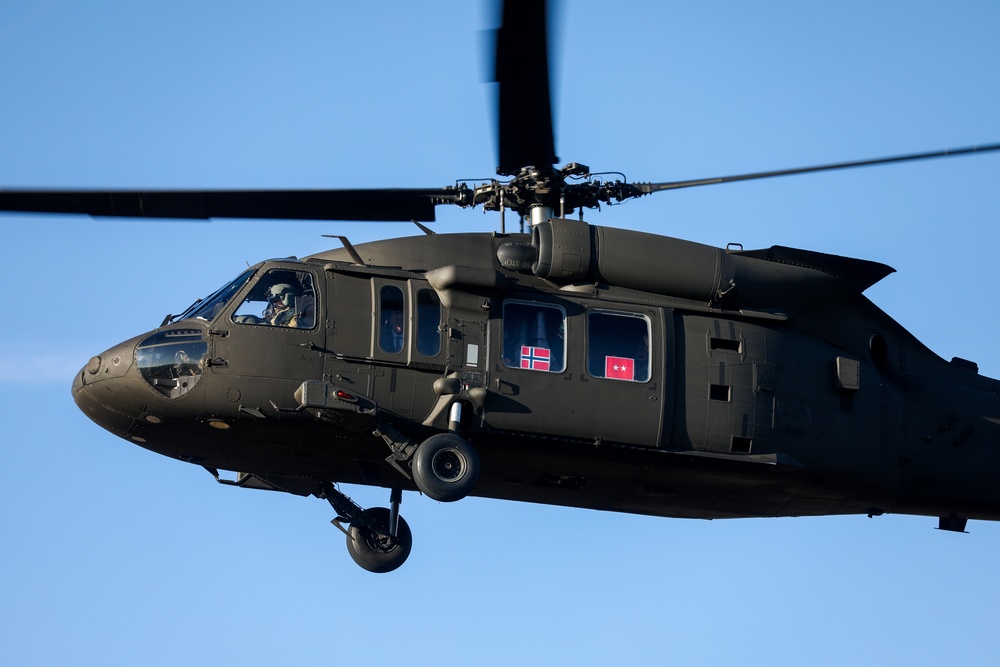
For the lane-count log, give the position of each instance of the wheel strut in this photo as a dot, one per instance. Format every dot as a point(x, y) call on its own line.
point(395, 498)
point(346, 509)
point(378, 539)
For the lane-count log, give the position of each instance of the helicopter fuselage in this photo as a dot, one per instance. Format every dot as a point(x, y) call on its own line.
point(588, 367)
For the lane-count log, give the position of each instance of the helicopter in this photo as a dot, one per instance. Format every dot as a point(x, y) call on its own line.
point(575, 365)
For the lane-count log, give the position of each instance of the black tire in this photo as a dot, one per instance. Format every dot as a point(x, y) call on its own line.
point(369, 543)
point(446, 467)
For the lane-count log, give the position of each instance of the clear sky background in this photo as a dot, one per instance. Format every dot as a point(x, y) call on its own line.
point(114, 555)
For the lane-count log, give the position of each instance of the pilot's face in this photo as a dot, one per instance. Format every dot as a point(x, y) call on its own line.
point(277, 303)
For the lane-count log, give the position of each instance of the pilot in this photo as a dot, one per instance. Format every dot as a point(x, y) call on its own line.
point(280, 302)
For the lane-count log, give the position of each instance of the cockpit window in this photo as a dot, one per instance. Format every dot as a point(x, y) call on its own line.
point(281, 298)
point(209, 307)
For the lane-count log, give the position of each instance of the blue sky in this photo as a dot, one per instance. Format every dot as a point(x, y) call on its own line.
point(115, 555)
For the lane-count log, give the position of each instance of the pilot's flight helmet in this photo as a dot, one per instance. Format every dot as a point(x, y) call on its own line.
point(282, 292)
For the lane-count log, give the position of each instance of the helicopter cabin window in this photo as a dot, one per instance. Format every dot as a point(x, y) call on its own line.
point(428, 323)
point(281, 298)
point(391, 330)
point(534, 336)
point(618, 346)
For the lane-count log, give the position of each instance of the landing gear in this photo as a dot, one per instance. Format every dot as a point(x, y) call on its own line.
point(372, 547)
point(378, 539)
point(446, 467)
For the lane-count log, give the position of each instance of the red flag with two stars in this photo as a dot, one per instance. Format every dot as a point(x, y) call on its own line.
point(619, 368)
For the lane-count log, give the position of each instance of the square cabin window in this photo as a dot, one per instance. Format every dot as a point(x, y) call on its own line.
point(618, 345)
point(534, 336)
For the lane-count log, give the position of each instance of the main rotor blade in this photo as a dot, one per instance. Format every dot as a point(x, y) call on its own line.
point(647, 188)
point(364, 205)
point(522, 70)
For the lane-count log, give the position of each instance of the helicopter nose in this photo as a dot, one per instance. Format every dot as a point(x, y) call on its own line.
point(105, 391)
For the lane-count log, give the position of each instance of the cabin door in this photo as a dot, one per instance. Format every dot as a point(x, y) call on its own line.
point(563, 368)
point(275, 331)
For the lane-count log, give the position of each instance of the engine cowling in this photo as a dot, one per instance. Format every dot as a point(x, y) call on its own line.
point(571, 251)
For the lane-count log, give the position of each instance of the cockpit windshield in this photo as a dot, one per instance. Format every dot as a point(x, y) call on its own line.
point(209, 307)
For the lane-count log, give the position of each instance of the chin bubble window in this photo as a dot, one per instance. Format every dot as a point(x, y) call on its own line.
point(618, 346)
point(281, 298)
point(534, 336)
point(172, 361)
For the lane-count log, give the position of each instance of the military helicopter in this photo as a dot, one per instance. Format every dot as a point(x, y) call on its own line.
point(573, 365)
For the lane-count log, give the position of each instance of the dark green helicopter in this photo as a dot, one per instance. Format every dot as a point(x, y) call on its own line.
point(576, 365)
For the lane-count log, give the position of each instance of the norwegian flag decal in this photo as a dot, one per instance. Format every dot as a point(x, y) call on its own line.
point(620, 368)
point(535, 358)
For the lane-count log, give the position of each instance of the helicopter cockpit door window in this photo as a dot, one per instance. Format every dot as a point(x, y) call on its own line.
point(281, 298)
point(272, 330)
point(534, 336)
point(618, 345)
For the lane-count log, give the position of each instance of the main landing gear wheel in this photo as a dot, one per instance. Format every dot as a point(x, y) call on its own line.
point(446, 467)
point(371, 546)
